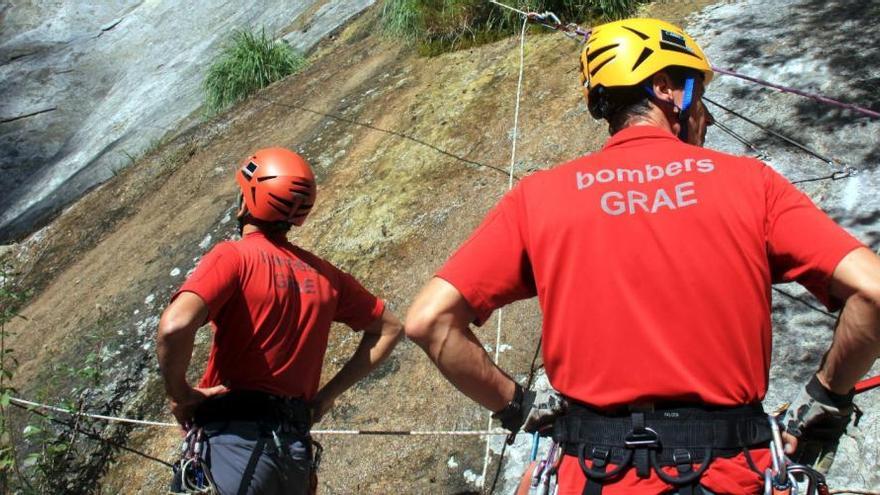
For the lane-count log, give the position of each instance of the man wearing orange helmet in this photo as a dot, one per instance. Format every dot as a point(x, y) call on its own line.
point(652, 261)
point(270, 304)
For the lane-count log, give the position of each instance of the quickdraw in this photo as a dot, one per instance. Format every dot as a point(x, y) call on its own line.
point(784, 477)
point(191, 474)
point(540, 476)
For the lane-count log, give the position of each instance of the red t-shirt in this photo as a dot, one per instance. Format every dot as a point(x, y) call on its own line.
point(271, 305)
point(652, 261)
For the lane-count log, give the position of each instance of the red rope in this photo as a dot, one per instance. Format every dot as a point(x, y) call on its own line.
point(867, 384)
point(786, 89)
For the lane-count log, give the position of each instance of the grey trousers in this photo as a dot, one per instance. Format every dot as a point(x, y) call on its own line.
point(245, 459)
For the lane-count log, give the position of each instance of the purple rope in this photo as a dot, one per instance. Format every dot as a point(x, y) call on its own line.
point(785, 89)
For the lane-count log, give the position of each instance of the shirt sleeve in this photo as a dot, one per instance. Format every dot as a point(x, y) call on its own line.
point(357, 307)
point(492, 267)
point(803, 243)
point(215, 278)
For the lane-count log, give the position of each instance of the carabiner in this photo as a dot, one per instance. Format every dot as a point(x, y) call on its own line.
point(780, 462)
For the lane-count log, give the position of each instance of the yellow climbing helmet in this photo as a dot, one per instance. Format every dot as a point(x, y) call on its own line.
point(625, 53)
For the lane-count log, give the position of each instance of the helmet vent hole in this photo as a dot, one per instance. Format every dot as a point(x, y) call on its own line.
point(254, 194)
point(637, 33)
point(599, 67)
point(676, 48)
point(646, 52)
point(281, 200)
point(285, 212)
point(593, 54)
point(261, 179)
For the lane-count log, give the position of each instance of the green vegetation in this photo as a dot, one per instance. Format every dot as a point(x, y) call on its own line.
point(250, 61)
point(435, 26)
point(10, 300)
point(36, 454)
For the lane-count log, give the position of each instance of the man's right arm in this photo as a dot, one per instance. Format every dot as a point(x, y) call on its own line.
point(174, 346)
point(439, 322)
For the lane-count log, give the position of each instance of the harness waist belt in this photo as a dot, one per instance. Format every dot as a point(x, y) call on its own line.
point(727, 431)
point(253, 405)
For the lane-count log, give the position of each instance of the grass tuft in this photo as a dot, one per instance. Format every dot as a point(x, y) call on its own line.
point(436, 26)
point(248, 62)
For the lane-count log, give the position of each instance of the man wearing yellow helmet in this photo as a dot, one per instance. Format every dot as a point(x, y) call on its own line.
point(652, 261)
point(618, 66)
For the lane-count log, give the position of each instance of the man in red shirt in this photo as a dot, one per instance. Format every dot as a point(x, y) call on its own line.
point(270, 304)
point(653, 261)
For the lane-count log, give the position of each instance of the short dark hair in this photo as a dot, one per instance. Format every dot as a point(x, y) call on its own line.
point(620, 105)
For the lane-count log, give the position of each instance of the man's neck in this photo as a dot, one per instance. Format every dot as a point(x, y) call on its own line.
point(656, 118)
point(249, 228)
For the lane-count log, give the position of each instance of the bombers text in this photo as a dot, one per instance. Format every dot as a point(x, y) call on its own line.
point(632, 202)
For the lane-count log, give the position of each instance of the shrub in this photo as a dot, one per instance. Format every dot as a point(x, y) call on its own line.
point(442, 25)
point(249, 62)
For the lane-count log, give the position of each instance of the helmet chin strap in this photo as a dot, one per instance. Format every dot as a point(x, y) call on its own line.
point(683, 112)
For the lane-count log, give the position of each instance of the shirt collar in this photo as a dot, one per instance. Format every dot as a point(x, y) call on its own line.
point(637, 132)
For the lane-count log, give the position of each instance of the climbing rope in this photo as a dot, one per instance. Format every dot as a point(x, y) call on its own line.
point(843, 173)
point(805, 94)
point(31, 406)
point(17, 403)
point(500, 313)
point(392, 132)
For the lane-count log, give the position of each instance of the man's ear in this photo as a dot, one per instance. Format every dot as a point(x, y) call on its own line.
point(663, 87)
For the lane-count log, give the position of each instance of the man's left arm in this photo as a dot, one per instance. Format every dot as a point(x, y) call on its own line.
point(378, 340)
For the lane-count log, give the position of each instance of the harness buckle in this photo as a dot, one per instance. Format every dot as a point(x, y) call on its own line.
point(642, 438)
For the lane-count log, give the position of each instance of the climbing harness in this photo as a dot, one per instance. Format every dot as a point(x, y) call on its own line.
point(653, 436)
point(191, 474)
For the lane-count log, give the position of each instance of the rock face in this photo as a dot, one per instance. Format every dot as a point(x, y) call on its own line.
point(805, 44)
point(87, 86)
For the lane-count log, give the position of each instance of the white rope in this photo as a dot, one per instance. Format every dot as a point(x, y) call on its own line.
point(115, 419)
point(462, 433)
point(508, 7)
point(522, 56)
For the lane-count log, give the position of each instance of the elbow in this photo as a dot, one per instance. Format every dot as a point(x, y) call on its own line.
point(393, 330)
point(171, 325)
point(420, 326)
point(867, 300)
point(864, 306)
point(871, 296)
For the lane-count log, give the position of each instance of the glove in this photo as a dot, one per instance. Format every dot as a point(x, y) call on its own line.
point(544, 413)
point(527, 412)
point(515, 412)
point(818, 417)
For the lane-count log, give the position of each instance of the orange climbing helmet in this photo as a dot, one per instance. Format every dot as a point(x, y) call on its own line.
point(626, 52)
point(277, 185)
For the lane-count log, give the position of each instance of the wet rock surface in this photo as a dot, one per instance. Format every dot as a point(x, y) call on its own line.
point(89, 86)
